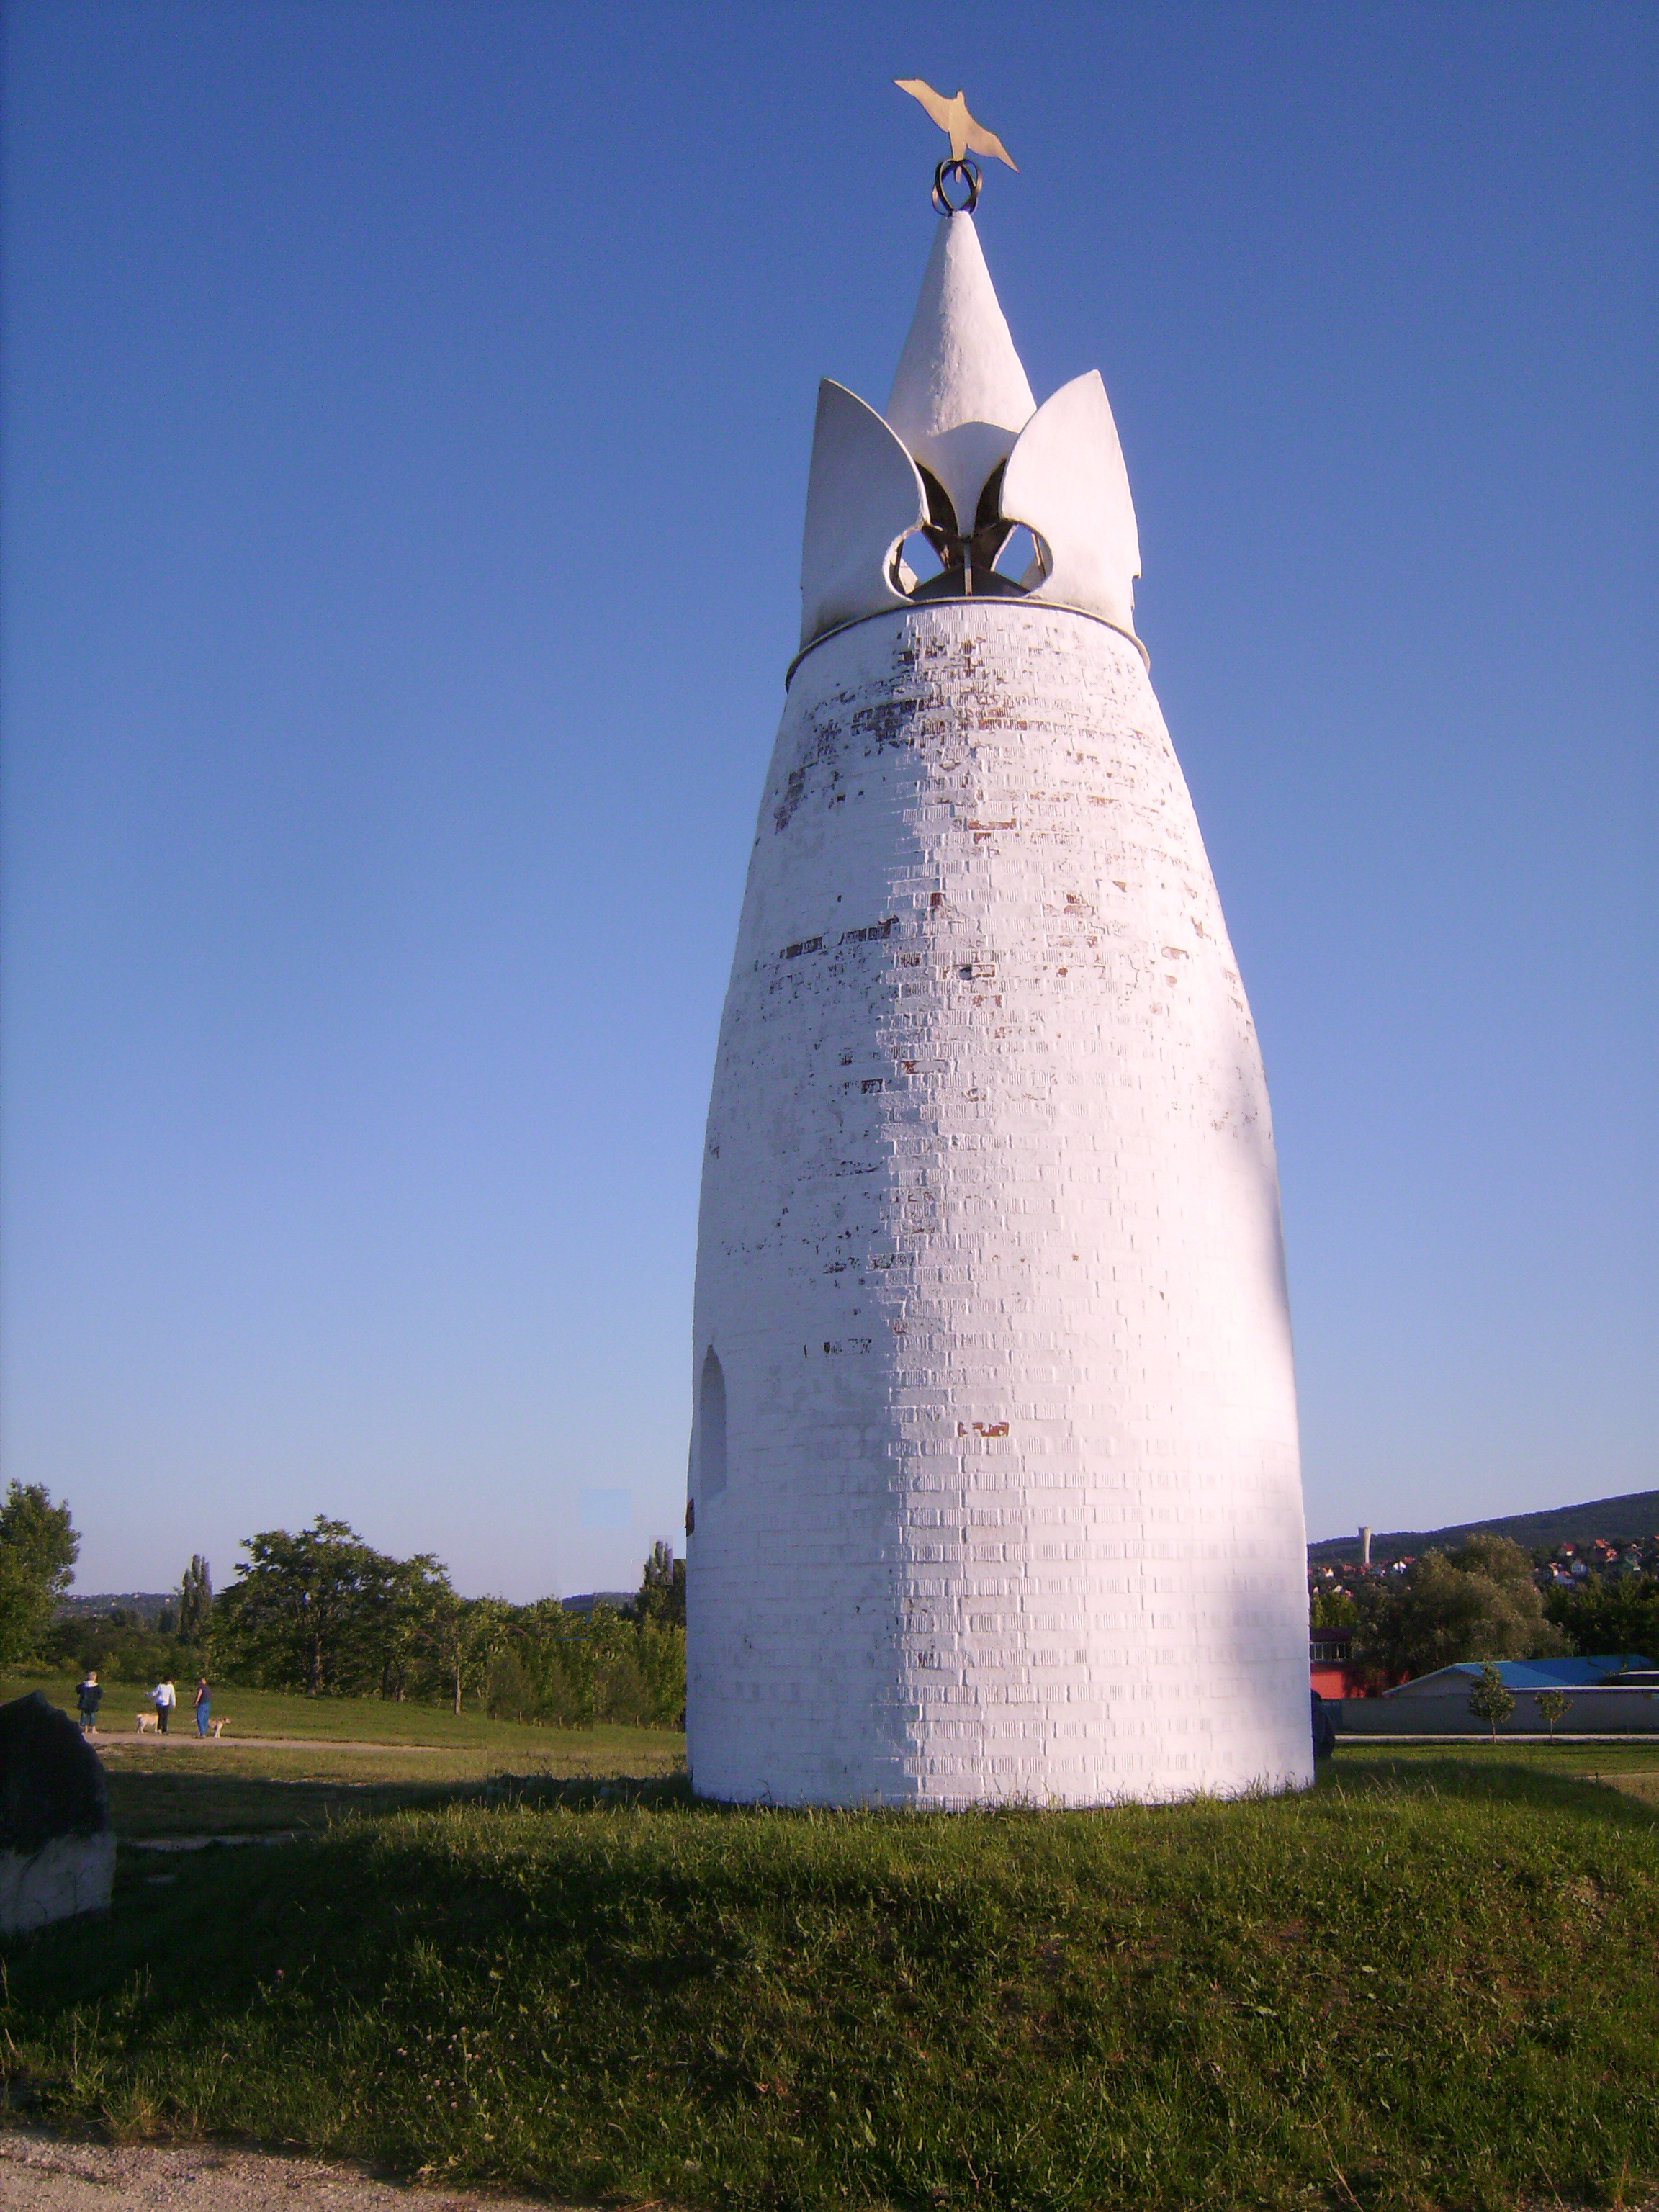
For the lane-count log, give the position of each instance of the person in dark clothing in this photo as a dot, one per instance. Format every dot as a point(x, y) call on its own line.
point(87, 1697)
point(1324, 1729)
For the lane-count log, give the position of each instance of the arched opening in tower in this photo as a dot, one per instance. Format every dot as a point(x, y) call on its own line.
point(711, 1425)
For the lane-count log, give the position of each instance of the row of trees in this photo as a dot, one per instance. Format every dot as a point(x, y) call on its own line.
point(320, 1611)
point(326, 1613)
point(1598, 1616)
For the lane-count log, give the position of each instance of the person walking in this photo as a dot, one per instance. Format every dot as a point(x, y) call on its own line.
point(165, 1697)
point(86, 1696)
point(203, 1705)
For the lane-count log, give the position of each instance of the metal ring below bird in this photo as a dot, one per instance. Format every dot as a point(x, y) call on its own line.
point(965, 173)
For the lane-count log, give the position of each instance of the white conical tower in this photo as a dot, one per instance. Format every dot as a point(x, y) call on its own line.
point(994, 1491)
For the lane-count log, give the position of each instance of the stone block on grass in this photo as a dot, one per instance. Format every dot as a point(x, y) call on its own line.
point(56, 1848)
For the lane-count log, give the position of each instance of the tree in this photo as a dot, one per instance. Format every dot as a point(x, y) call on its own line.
point(194, 1600)
point(1599, 1616)
point(1478, 1602)
point(39, 1546)
point(662, 1588)
point(1553, 1703)
point(1331, 1609)
point(466, 1634)
point(410, 1609)
point(308, 1609)
point(1489, 1700)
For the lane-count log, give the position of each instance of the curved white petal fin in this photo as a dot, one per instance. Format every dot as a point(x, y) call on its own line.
point(1067, 482)
point(960, 396)
point(863, 498)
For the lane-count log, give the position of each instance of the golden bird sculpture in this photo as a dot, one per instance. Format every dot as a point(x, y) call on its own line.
point(967, 136)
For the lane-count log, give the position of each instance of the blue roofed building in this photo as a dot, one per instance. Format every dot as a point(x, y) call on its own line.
point(1600, 1672)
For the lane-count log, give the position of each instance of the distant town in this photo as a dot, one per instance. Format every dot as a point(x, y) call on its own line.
point(1560, 1606)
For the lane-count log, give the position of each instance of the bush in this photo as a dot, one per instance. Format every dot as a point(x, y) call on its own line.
point(1621, 1616)
point(508, 1695)
point(122, 1650)
point(608, 1666)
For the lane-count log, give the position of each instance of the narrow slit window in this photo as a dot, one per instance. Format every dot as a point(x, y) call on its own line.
point(711, 1426)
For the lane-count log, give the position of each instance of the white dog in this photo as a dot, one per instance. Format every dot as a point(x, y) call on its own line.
point(147, 1724)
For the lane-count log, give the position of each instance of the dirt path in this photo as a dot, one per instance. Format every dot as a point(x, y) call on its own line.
point(39, 2175)
point(203, 1744)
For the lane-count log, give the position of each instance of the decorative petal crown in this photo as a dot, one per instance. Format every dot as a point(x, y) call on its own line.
point(937, 483)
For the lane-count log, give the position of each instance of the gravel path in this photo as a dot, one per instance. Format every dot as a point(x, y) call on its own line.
point(205, 1745)
point(38, 2174)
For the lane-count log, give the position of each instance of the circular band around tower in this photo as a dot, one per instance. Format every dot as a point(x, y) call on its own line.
point(911, 607)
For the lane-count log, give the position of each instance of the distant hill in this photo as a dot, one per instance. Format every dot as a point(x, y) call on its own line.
point(144, 1605)
point(1636, 1514)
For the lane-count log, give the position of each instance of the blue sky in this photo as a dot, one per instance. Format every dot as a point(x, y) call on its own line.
point(407, 412)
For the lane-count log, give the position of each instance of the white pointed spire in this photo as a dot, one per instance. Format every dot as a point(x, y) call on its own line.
point(960, 398)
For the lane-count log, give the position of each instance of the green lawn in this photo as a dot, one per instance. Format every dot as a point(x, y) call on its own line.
point(1428, 1981)
point(254, 1789)
point(280, 1713)
point(1610, 1755)
point(249, 1783)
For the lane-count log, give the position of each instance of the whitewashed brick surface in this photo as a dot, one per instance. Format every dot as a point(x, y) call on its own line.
point(989, 1258)
point(66, 1875)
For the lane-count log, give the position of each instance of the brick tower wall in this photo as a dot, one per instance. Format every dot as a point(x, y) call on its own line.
point(995, 1468)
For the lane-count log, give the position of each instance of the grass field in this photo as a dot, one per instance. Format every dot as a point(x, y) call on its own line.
point(254, 1713)
point(256, 1792)
point(1428, 1981)
point(1612, 1757)
point(363, 1759)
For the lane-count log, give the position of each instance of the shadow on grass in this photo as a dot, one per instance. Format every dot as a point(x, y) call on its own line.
point(1457, 1776)
point(1398, 1982)
point(150, 1803)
